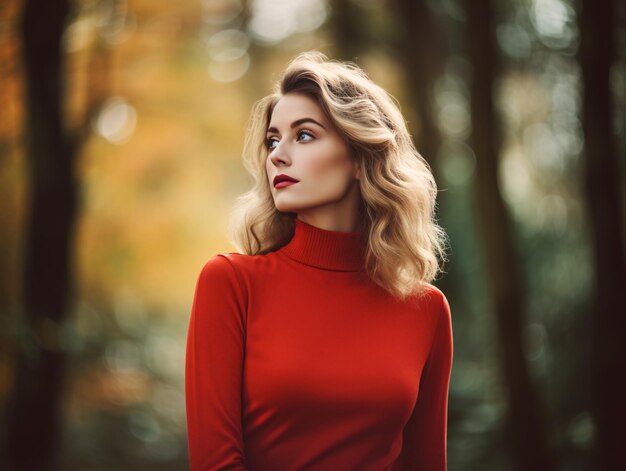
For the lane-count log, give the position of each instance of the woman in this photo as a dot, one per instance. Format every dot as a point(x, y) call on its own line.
point(324, 346)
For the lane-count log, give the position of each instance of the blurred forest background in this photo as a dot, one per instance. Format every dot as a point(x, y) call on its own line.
point(121, 129)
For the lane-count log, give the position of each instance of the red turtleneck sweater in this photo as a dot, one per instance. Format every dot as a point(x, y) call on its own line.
point(296, 360)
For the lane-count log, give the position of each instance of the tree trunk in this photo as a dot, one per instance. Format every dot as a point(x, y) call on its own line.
point(422, 48)
point(34, 405)
point(597, 54)
point(344, 26)
point(525, 421)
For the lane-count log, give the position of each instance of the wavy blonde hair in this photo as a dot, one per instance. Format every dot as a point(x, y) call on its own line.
point(406, 246)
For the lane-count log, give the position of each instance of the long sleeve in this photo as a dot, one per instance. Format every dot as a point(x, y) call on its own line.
point(213, 369)
point(425, 434)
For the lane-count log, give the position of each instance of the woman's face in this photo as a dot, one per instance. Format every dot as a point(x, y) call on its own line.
point(303, 144)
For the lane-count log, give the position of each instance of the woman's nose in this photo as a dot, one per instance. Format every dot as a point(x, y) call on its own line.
point(278, 155)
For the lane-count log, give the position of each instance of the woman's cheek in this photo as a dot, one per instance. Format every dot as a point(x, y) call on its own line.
point(321, 164)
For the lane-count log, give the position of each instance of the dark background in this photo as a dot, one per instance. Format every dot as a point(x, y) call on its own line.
point(121, 127)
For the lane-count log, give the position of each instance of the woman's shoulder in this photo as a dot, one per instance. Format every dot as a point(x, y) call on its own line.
point(219, 266)
point(241, 263)
point(241, 259)
point(430, 293)
point(440, 303)
point(434, 298)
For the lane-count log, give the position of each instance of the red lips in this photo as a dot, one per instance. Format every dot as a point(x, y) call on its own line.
point(283, 178)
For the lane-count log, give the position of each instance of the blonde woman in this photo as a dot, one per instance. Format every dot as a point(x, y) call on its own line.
point(323, 346)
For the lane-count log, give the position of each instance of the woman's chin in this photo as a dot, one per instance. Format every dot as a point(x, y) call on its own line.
point(287, 209)
point(283, 204)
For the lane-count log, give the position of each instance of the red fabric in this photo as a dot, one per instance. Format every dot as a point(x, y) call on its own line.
point(297, 361)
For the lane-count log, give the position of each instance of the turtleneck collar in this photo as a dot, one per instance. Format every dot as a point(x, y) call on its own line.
point(330, 250)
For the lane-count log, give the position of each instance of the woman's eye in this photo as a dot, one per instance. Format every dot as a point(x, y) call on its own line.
point(306, 133)
point(268, 143)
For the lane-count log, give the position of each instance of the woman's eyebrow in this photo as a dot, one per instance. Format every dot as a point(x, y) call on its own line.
point(298, 122)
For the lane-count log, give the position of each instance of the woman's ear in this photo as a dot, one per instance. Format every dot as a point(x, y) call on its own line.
point(357, 174)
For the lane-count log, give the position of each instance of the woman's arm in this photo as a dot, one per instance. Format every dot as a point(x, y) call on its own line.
point(425, 435)
point(213, 369)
